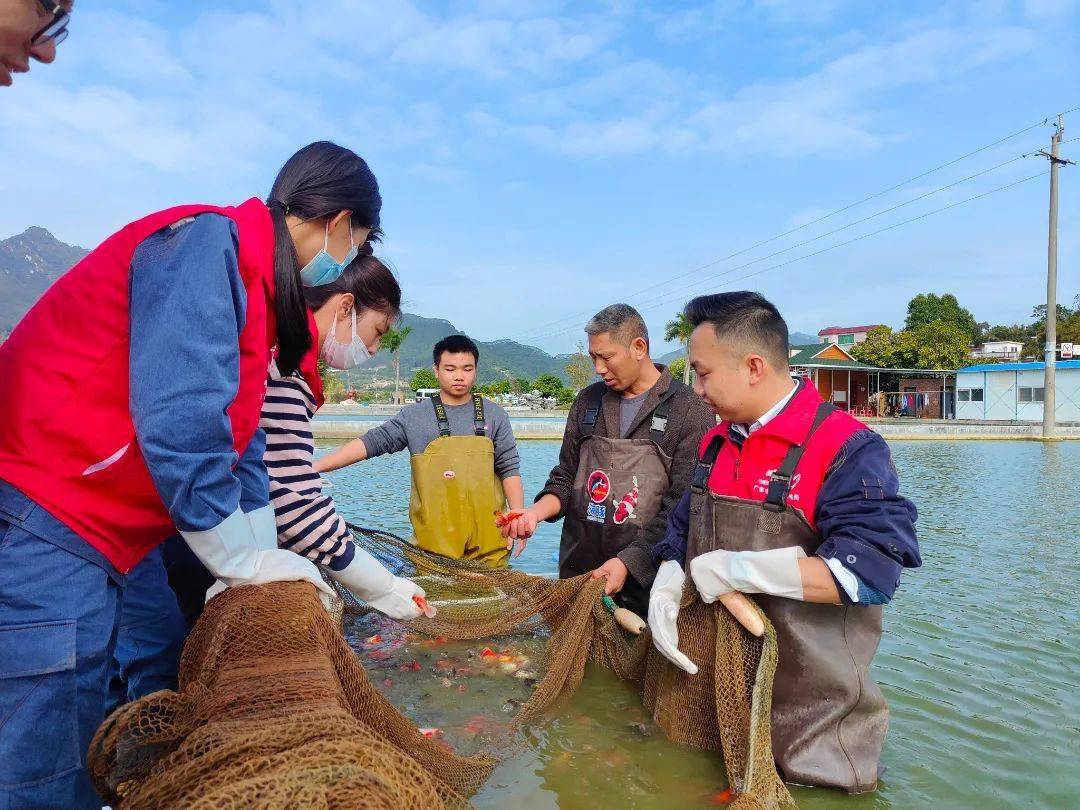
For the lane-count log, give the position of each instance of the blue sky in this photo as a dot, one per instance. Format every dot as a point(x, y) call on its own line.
point(540, 159)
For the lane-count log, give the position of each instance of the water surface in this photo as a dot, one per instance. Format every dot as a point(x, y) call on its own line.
point(979, 661)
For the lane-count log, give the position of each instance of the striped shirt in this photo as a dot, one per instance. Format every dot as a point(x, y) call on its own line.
point(307, 520)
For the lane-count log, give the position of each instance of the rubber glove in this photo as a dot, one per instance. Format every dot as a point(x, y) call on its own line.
point(664, 601)
point(775, 572)
point(369, 579)
point(242, 550)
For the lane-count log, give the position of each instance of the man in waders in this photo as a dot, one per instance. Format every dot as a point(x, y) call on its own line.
point(796, 502)
point(465, 464)
point(628, 453)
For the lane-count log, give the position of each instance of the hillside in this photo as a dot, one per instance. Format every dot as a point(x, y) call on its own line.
point(29, 263)
point(498, 359)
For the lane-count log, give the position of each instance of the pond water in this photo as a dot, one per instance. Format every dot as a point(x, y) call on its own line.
point(980, 661)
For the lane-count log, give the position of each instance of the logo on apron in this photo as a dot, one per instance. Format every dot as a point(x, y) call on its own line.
point(596, 512)
point(449, 474)
point(599, 486)
point(627, 506)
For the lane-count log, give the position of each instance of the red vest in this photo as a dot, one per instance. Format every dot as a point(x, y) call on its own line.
point(67, 439)
point(745, 473)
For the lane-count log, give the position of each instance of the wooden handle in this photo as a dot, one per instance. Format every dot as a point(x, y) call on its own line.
point(744, 612)
point(629, 620)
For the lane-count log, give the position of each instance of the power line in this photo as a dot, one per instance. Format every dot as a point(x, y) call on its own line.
point(834, 231)
point(859, 238)
point(539, 333)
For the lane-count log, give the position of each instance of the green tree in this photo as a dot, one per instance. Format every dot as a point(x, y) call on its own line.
point(680, 368)
point(332, 385)
point(548, 384)
point(391, 342)
point(522, 385)
point(938, 344)
point(580, 369)
point(423, 378)
point(680, 330)
point(565, 397)
point(1068, 331)
point(881, 348)
point(926, 308)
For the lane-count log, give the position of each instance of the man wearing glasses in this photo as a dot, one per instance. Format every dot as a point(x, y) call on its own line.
point(30, 29)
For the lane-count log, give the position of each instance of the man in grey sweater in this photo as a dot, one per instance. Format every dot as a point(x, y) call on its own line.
point(629, 451)
point(465, 461)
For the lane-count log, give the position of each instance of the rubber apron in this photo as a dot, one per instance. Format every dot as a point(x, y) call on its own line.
point(455, 493)
point(828, 716)
point(618, 488)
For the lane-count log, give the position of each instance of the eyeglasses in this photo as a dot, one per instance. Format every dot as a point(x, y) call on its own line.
point(57, 29)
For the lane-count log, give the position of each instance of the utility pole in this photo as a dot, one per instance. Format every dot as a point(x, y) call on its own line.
point(1050, 378)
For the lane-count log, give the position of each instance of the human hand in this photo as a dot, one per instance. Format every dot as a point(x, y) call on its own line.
point(774, 572)
point(664, 601)
point(614, 571)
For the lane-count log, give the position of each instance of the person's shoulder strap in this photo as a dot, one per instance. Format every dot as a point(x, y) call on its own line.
point(705, 464)
point(440, 416)
point(780, 479)
point(660, 413)
point(592, 413)
point(479, 425)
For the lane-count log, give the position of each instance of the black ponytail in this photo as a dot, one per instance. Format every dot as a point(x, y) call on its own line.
point(318, 181)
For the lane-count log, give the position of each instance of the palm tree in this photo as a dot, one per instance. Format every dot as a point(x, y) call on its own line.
point(680, 330)
point(391, 341)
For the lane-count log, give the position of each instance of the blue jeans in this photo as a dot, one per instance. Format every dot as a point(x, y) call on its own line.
point(59, 611)
point(151, 635)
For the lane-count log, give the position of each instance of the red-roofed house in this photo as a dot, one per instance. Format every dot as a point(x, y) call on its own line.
point(846, 335)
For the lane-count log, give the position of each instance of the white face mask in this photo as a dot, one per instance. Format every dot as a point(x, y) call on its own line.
point(340, 355)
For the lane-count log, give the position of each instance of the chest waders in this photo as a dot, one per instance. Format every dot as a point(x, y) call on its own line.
point(455, 493)
point(828, 716)
point(618, 488)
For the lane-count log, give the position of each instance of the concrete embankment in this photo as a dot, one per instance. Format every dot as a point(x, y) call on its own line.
point(552, 427)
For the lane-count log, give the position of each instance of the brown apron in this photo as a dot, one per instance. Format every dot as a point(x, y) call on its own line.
point(618, 488)
point(828, 716)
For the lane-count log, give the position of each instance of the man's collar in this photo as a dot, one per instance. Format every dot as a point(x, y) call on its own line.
point(790, 418)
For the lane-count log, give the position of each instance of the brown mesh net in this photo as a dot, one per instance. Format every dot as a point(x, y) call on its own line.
point(274, 708)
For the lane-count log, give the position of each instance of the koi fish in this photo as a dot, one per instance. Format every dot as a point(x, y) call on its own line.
point(505, 518)
point(425, 607)
point(627, 506)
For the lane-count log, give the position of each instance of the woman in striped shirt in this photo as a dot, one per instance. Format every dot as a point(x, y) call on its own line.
point(346, 317)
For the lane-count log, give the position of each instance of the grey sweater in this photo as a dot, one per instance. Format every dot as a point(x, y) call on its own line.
point(415, 427)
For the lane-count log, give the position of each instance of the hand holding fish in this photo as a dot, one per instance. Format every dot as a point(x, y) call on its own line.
point(517, 527)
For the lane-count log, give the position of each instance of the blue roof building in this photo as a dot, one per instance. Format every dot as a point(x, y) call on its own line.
point(1013, 392)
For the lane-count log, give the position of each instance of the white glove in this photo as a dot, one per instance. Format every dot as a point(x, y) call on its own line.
point(775, 572)
point(664, 601)
point(242, 550)
point(368, 579)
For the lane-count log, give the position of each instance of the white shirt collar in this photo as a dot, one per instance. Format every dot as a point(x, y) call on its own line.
point(770, 414)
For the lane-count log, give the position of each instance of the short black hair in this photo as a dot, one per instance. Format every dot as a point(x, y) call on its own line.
point(455, 344)
point(747, 317)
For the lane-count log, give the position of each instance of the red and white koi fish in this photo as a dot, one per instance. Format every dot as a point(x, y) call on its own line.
point(627, 506)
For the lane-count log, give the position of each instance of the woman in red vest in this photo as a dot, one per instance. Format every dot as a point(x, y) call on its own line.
point(132, 395)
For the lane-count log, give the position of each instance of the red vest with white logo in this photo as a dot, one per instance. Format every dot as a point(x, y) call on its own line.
point(745, 473)
point(67, 440)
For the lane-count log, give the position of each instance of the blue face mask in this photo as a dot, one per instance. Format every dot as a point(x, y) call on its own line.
point(324, 268)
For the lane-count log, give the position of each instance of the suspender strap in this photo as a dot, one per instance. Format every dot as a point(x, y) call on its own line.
point(780, 479)
point(440, 416)
point(659, 417)
point(479, 425)
point(478, 415)
point(592, 414)
point(704, 466)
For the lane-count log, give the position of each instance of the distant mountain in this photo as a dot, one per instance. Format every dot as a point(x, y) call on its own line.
point(29, 263)
point(499, 359)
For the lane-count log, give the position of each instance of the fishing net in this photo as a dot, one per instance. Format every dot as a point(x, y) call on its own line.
point(275, 709)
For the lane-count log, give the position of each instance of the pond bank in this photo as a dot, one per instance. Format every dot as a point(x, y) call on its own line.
point(549, 425)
